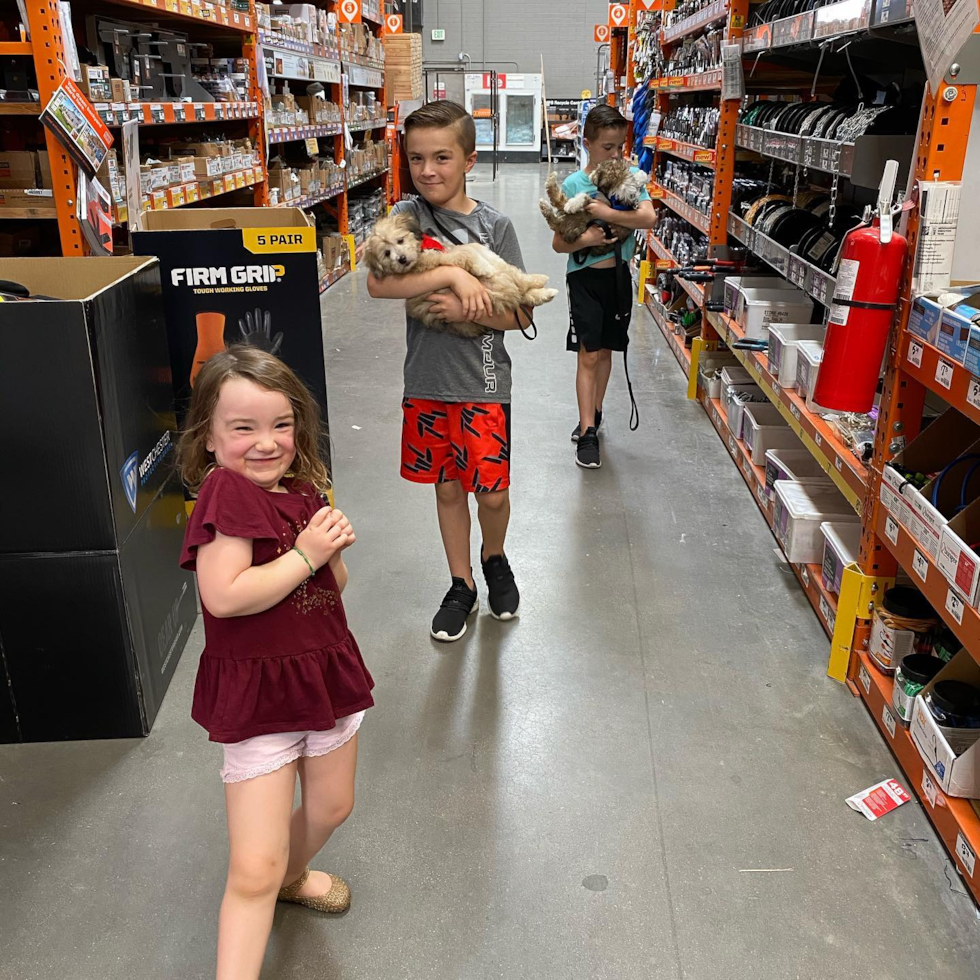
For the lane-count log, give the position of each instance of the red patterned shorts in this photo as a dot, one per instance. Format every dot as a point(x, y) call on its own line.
point(465, 441)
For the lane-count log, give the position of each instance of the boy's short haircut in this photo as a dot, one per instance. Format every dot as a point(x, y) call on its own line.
point(600, 117)
point(443, 114)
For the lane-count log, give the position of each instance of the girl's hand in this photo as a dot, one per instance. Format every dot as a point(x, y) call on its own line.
point(473, 297)
point(343, 525)
point(323, 537)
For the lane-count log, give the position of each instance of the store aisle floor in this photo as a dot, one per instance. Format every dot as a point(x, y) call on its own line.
point(644, 777)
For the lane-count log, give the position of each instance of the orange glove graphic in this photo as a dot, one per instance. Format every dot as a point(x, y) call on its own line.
point(210, 340)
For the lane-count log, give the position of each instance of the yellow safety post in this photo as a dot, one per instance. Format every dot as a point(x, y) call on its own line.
point(859, 594)
point(645, 265)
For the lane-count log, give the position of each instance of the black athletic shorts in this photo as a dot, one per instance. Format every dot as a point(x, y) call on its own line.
point(598, 311)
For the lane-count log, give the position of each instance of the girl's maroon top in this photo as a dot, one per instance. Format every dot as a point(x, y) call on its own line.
point(293, 668)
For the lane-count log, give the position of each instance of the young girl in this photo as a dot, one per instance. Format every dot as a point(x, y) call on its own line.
point(281, 683)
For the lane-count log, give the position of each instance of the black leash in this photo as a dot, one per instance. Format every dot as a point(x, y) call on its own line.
point(624, 289)
point(452, 238)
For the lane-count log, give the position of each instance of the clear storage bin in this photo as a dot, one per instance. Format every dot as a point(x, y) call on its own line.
point(793, 464)
point(783, 340)
point(841, 545)
point(764, 428)
point(799, 511)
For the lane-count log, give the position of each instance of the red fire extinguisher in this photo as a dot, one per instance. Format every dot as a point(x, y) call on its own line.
point(863, 308)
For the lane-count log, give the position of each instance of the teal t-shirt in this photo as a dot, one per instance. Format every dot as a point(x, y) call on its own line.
point(579, 183)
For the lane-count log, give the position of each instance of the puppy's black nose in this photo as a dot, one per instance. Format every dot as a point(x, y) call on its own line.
point(402, 260)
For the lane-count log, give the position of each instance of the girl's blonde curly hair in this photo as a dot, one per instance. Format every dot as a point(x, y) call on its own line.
point(194, 462)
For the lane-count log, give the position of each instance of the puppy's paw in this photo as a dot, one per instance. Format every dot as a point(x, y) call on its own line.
point(577, 203)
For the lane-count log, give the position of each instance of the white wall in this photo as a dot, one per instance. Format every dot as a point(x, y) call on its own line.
point(518, 31)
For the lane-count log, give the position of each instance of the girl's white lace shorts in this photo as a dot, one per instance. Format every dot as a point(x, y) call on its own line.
point(266, 753)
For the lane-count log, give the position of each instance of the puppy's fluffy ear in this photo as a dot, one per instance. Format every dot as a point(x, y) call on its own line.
point(642, 178)
point(412, 225)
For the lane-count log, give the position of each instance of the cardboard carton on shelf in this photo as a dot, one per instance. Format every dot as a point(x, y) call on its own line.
point(18, 169)
point(951, 755)
point(946, 438)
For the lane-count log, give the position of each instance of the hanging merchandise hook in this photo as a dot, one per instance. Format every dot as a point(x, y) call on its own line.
point(886, 192)
point(816, 74)
point(850, 65)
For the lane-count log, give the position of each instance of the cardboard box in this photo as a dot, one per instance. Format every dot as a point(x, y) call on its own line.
point(120, 89)
point(226, 262)
point(95, 83)
point(18, 169)
point(109, 547)
point(31, 197)
point(938, 444)
point(957, 560)
point(952, 755)
point(924, 320)
point(44, 169)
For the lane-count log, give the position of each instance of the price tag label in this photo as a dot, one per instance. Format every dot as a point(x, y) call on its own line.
point(761, 493)
point(973, 393)
point(794, 411)
point(944, 374)
point(891, 529)
point(825, 609)
point(805, 575)
point(888, 720)
point(865, 678)
point(954, 606)
point(915, 353)
point(919, 564)
point(929, 788)
point(156, 113)
point(839, 464)
point(965, 853)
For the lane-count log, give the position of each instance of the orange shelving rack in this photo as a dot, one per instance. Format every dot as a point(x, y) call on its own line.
point(782, 59)
point(236, 26)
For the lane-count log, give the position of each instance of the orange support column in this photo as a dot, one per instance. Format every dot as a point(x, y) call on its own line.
point(48, 45)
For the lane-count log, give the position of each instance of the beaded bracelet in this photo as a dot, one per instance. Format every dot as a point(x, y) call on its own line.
point(309, 564)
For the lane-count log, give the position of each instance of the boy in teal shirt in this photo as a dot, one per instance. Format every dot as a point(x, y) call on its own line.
point(600, 295)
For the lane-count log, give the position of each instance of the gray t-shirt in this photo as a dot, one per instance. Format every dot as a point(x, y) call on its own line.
point(441, 366)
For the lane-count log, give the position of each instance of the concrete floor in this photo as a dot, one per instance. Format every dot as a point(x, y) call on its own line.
point(593, 791)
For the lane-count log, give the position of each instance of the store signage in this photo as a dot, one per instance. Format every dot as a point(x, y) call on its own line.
point(349, 11)
point(619, 15)
point(601, 33)
point(393, 24)
point(501, 79)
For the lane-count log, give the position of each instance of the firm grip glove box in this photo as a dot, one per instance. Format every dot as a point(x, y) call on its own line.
point(96, 610)
point(237, 275)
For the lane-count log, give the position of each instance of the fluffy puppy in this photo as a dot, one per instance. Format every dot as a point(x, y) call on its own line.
point(395, 247)
point(616, 185)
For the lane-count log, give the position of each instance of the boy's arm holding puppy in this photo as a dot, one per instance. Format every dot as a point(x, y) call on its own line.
point(467, 290)
point(643, 216)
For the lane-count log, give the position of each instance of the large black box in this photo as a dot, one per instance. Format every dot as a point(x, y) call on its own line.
point(233, 275)
point(95, 611)
point(91, 639)
point(85, 402)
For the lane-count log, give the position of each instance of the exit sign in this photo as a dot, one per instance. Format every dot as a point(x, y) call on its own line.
point(438, 34)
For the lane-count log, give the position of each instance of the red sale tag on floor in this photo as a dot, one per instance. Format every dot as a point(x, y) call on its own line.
point(877, 800)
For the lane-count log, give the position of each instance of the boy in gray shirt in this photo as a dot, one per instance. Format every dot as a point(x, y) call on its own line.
point(456, 432)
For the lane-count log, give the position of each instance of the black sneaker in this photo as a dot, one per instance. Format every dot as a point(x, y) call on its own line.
point(458, 605)
point(577, 431)
point(587, 453)
point(504, 598)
